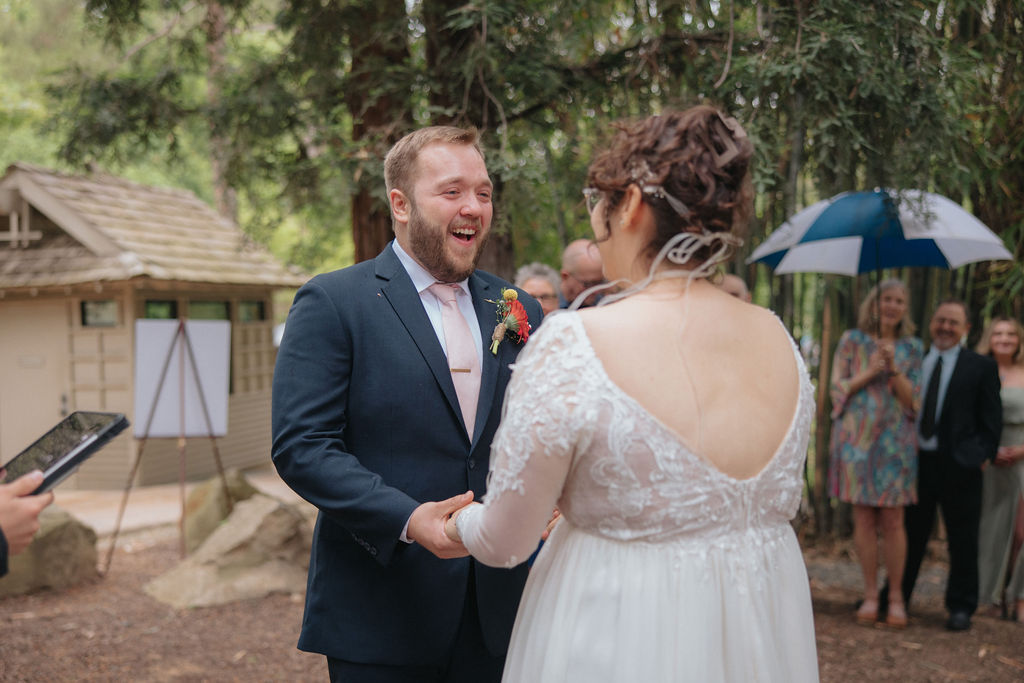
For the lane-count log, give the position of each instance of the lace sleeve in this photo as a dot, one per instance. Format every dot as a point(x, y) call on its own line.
point(532, 450)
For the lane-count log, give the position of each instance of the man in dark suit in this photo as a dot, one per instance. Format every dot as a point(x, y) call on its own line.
point(958, 430)
point(370, 420)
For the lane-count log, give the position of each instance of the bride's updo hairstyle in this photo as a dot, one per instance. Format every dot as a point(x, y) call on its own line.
point(693, 168)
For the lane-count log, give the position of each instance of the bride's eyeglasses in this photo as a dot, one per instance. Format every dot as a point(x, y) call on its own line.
point(591, 197)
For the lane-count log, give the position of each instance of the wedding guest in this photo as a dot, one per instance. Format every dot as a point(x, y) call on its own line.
point(958, 429)
point(1000, 562)
point(581, 270)
point(676, 474)
point(540, 281)
point(735, 286)
point(19, 514)
point(876, 375)
point(387, 391)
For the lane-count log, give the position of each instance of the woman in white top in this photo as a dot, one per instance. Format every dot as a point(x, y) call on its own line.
point(669, 426)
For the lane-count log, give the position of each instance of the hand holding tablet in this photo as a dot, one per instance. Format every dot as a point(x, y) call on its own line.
point(19, 514)
point(61, 450)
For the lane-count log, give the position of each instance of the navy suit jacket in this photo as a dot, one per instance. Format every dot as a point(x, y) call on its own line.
point(971, 420)
point(366, 426)
point(3, 554)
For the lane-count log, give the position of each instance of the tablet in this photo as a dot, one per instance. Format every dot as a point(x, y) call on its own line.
point(61, 450)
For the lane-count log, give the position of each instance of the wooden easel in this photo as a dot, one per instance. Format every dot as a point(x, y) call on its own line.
point(184, 350)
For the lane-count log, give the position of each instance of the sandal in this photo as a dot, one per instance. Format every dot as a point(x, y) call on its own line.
point(867, 613)
point(896, 617)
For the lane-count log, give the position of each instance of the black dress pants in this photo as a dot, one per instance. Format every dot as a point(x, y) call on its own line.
point(468, 662)
point(943, 483)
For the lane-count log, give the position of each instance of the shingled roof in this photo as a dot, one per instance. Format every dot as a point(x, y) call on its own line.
point(103, 228)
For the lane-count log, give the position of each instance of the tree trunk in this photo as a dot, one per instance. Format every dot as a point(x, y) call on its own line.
point(823, 419)
point(215, 26)
point(379, 116)
point(556, 200)
point(789, 193)
point(458, 95)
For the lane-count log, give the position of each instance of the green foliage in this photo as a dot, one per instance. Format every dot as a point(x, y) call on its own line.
point(37, 39)
point(836, 94)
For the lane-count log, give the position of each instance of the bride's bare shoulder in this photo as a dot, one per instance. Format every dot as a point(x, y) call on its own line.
point(752, 332)
point(764, 318)
point(599, 317)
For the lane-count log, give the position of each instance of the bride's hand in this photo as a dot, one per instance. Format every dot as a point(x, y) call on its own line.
point(551, 524)
point(452, 531)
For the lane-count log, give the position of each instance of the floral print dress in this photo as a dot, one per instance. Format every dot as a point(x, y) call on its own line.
point(874, 439)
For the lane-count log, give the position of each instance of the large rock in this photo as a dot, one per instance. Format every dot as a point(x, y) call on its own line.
point(262, 548)
point(207, 506)
point(62, 554)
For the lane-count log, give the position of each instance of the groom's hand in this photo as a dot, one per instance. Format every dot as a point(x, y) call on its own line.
point(551, 524)
point(426, 526)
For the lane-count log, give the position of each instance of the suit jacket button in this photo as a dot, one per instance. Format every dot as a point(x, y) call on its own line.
point(472, 463)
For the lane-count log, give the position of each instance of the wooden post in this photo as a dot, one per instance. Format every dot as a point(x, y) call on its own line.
point(822, 418)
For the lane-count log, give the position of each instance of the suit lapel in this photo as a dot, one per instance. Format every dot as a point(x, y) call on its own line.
point(402, 295)
point(959, 368)
point(487, 318)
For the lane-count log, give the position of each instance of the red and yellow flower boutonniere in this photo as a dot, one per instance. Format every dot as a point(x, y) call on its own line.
point(512, 320)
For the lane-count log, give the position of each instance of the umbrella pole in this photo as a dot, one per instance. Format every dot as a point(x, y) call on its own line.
point(878, 291)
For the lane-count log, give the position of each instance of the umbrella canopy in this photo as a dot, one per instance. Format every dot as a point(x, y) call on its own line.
point(858, 232)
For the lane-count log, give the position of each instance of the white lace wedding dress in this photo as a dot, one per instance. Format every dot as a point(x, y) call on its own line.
point(663, 569)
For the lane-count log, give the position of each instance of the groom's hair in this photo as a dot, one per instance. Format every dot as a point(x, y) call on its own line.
point(400, 163)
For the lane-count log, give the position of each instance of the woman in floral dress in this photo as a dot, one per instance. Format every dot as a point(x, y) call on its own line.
point(876, 375)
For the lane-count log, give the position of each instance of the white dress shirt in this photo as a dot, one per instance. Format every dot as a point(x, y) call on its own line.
point(421, 280)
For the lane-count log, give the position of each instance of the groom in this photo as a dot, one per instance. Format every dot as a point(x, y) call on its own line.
point(386, 394)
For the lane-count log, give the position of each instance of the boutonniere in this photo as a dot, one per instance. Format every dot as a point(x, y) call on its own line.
point(512, 319)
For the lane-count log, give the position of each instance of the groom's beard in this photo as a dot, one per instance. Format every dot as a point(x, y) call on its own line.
point(427, 242)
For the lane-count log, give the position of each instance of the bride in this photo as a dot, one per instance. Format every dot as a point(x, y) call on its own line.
point(669, 427)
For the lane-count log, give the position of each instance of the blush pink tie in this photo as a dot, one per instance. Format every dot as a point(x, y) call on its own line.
point(462, 356)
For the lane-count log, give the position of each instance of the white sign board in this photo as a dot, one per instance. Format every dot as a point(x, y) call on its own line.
point(158, 343)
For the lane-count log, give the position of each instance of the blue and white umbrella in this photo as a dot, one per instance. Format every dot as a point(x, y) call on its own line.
point(859, 232)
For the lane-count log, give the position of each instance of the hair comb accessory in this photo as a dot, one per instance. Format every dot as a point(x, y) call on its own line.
point(659, 192)
point(733, 125)
point(640, 172)
point(729, 130)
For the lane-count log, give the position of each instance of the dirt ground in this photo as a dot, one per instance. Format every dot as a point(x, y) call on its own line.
point(991, 651)
point(111, 630)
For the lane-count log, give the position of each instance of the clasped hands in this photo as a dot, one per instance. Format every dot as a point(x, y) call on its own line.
point(432, 525)
point(881, 361)
point(427, 526)
point(1007, 456)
